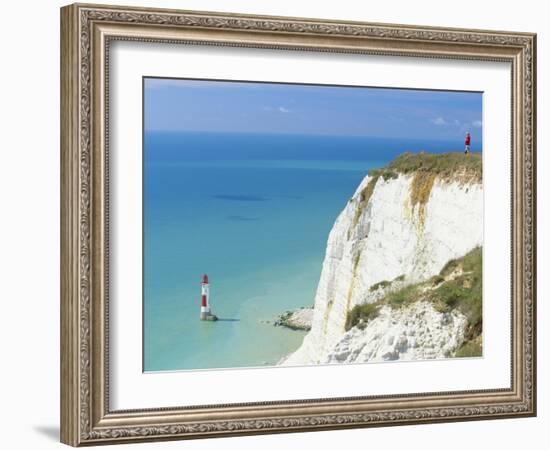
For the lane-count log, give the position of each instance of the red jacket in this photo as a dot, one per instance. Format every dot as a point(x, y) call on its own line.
point(467, 141)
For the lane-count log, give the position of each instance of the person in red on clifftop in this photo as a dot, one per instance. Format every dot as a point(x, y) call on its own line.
point(467, 144)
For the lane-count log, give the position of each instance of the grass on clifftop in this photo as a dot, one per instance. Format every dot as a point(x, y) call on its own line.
point(458, 286)
point(454, 165)
point(425, 168)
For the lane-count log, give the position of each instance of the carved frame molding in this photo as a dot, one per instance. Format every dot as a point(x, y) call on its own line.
point(86, 32)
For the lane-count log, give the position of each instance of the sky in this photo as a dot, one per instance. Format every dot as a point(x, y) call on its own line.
point(245, 107)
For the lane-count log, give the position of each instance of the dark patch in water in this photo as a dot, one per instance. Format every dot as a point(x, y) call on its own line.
point(241, 198)
point(242, 218)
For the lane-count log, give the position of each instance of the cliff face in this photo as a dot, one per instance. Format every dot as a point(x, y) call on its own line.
point(393, 232)
point(415, 332)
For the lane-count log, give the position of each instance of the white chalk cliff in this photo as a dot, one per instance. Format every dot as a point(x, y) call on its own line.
point(415, 332)
point(405, 228)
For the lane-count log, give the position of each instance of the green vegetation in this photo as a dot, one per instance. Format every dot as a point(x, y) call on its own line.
point(426, 167)
point(446, 165)
point(381, 285)
point(361, 314)
point(470, 348)
point(436, 279)
point(385, 283)
point(458, 286)
point(463, 291)
point(403, 296)
point(470, 262)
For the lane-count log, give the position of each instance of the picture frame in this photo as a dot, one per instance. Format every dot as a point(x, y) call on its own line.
point(87, 34)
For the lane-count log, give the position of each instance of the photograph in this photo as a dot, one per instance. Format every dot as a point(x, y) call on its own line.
point(291, 224)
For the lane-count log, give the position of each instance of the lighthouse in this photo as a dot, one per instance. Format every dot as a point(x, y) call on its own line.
point(206, 314)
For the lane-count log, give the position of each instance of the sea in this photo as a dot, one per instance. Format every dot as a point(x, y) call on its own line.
point(253, 211)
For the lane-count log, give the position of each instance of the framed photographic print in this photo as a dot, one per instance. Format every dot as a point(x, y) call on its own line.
point(276, 224)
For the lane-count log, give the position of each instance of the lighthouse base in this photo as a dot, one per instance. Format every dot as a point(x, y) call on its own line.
point(208, 316)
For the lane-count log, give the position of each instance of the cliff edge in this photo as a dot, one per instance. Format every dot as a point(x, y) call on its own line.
point(402, 226)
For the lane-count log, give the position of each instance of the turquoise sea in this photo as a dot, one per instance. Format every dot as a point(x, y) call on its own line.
point(254, 213)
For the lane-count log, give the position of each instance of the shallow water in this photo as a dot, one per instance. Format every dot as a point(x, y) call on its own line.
point(258, 227)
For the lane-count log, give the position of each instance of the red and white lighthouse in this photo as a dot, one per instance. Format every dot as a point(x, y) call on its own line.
point(206, 314)
point(205, 293)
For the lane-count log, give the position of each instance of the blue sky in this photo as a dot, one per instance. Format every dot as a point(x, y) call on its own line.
point(241, 107)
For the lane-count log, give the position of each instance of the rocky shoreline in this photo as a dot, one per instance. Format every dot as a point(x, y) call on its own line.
point(299, 319)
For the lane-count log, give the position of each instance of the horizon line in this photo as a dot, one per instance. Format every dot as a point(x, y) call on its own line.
point(271, 133)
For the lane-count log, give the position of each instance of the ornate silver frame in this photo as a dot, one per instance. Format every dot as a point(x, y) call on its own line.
point(86, 32)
